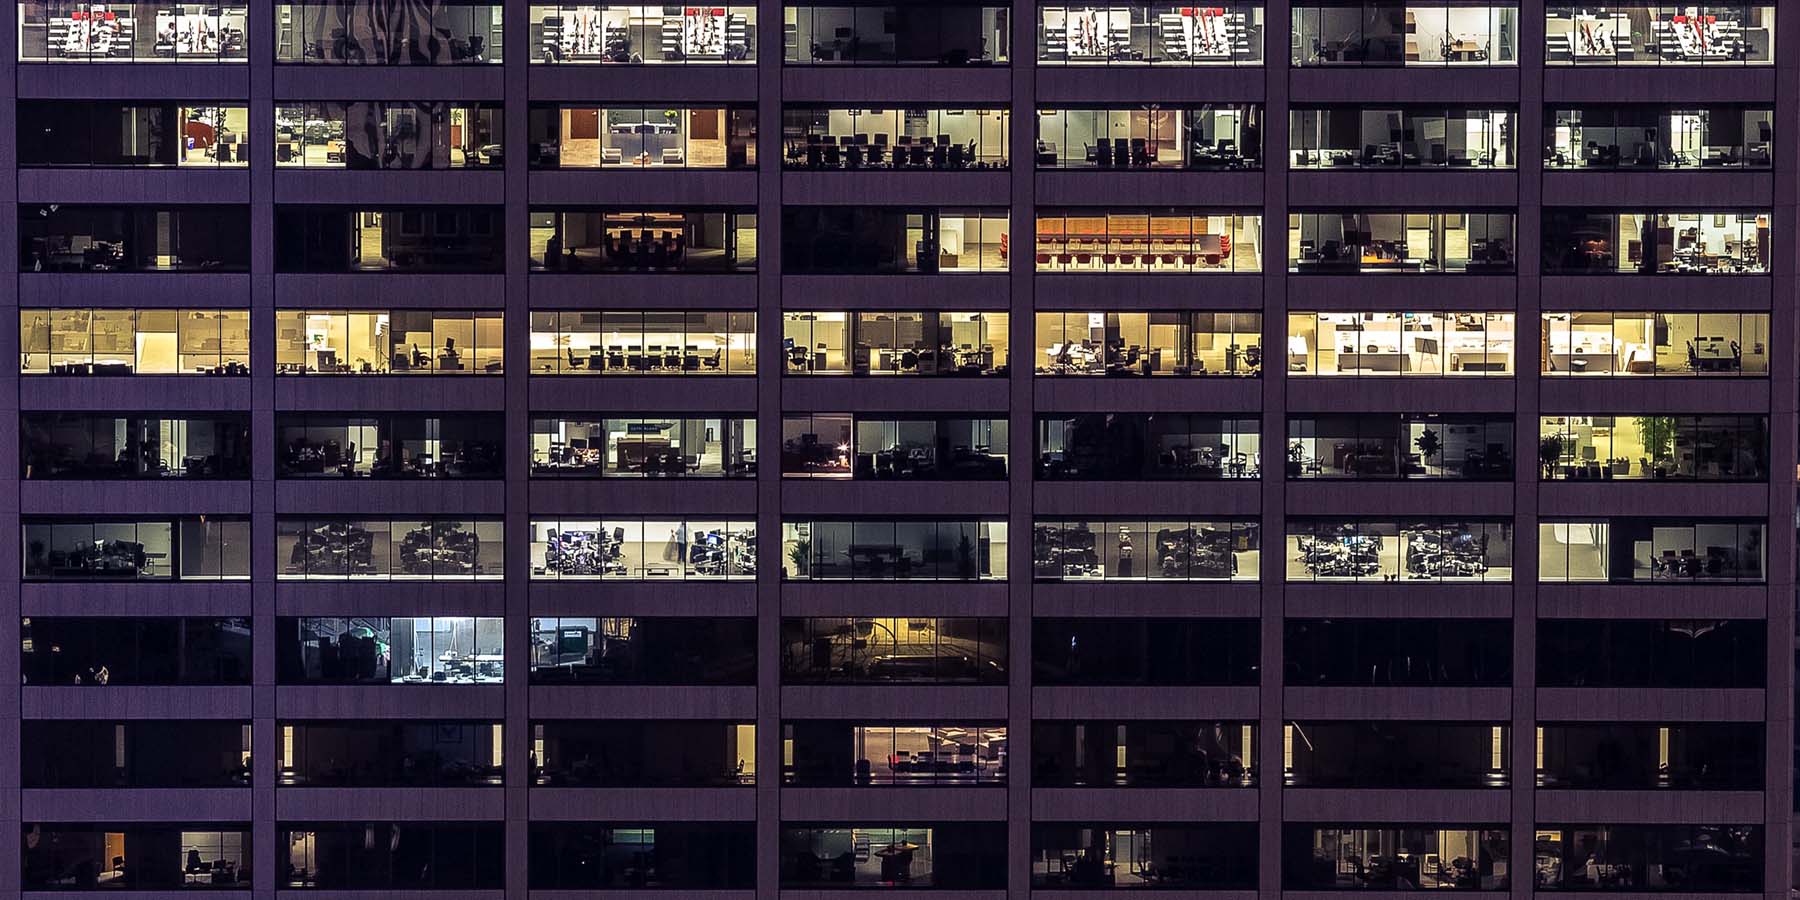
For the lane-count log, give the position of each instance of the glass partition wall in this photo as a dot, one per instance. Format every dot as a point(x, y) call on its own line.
point(834, 138)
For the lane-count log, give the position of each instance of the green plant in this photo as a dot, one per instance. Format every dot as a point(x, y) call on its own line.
point(1658, 436)
point(799, 554)
point(1550, 450)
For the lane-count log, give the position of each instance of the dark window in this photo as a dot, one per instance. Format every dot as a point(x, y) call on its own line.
point(893, 650)
point(1145, 651)
point(1219, 856)
point(338, 240)
point(870, 240)
point(137, 856)
point(679, 855)
point(1394, 858)
point(139, 753)
point(872, 447)
point(71, 238)
point(1402, 137)
point(1662, 653)
point(1638, 756)
point(66, 132)
point(377, 650)
point(87, 446)
point(1143, 754)
point(962, 855)
point(642, 753)
point(1393, 652)
point(389, 754)
point(1384, 754)
point(393, 445)
point(391, 855)
point(1147, 446)
point(102, 651)
point(944, 34)
point(669, 650)
point(1400, 446)
point(1636, 858)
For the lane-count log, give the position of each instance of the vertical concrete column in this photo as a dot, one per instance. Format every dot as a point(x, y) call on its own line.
point(516, 738)
point(1277, 17)
point(1527, 324)
point(769, 366)
point(1023, 435)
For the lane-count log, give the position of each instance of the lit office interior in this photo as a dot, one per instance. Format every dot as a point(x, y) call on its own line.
point(423, 549)
point(1150, 343)
point(134, 753)
point(640, 35)
point(961, 855)
point(67, 237)
point(377, 753)
point(148, 31)
point(825, 137)
point(1147, 446)
point(1404, 137)
point(1376, 857)
point(643, 650)
point(1593, 242)
point(335, 240)
point(1398, 652)
point(346, 34)
point(875, 34)
point(1658, 137)
point(895, 343)
point(1720, 858)
point(107, 133)
point(1424, 549)
point(1140, 550)
point(1395, 754)
point(380, 650)
point(642, 753)
point(1207, 136)
point(888, 550)
point(1651, 34)
point(1139, 753)
point(1405, 34)
point(1171, 241)
point(394, 445)
point(1397, 344)
point(1650, 755)
point(1138, 34)
point(667, 240)
point(879, 240)
point(1677, 447)
point(592, 856)
point(823, 753)
point(1628, 549)
point(1653, 653)
point(582, 136)
point(134, 650)
point(388, 135)
point(126, 341)
point(1651, 344)
point(643, 447)
point(1401, 242)
point(894, 650)
point(643, 550)
point(1400, 445)
point(140, 856)
point(1197, 857)
point(643, 342)
point(873, 447)
point(172, 548)
point(388, 342)
point(383, 856)
point(101, 446)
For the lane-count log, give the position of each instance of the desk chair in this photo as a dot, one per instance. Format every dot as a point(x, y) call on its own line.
point(615, 357)
point(575, 362)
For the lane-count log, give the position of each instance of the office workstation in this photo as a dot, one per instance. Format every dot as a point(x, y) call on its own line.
point(877, 446)
point(1581, 241)
point(141, 32)
point(633, 549)
point(1392, 344)
point(127, 341)
point(1206, 136)
point(1595, 342)
point(1401, 137)
point(1342, 242)
point(895, 343)
point(1405, 34)
point(1650, 137)
point(1149, 343)
point(388, 342)
point(637, 35)
point(643, 447)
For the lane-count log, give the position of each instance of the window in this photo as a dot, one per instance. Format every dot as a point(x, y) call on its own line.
point(62, 237)
point(640, 550)
point(1652, 653)
point(1149, 343)
point(367, 33)
point(904, 650)
point(1648, 756)
point(642, 753)
point(578, 136)
point(1155, 550)
point(1158, 241)
point(138, 753)
point(871, 240)
point(667, 650)
point(1641, 858)
point(1395, 754)
point(1469, 242)
point(1425, 549)
point(426, 549)
point(1593, 242)
point(1210, 136)
point(1399, 344)
point(1368, 446)
point(1199, 857)
point(873, 447)
point(1647, 343)
point(1145, 652)
point(135, 651)
point(388, 135)
point(675, 855)
point(1138, 34)
point(643, 342)
point(124, 341)
point(667, 241)
point(379, 650)
point(639, 35)
point(1636, 550)
point(1139, 753)
point(140, 856)
point(64, 133)
point(70, 31)
point(1686, 448)
point(87, 446)
point(317, 445)
point(961, 855)
point(337, 240)
point(888, 550)
point(890, 342)
point(172, 548)
point(389, 342)
point(876, 34)
point(1395, 858)
point(825, 138)
point(822, 753)
point(643, 447)
point(1602, 138)
point(426, 753)
point(1387, 33)
point(1646, 34)
point(1401, 137)
point(1147, 446)
point(390, 855)
point(1399, 652)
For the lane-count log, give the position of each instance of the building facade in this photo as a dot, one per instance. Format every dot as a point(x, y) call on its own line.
point(393, 379)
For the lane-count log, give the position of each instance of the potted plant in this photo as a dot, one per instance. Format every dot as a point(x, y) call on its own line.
point(1296, 454)
point(799, 554)
point(1429, 445)
point(1550, 450)
point(1658, 435)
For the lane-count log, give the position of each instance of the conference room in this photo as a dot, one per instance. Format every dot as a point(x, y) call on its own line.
point(672, 241)
point(1577, 343)
point(828, 138)
point(1400, 344)
point(643, 342)
point(1206, 136)
point(1628, 549)
point(1158, 241)
point(1341, 242)
point(584, 136)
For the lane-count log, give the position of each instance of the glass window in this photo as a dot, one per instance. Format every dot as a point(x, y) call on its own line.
point(1410, 550)
point(1640, 34)
point(653, 342)
point(365, 650)
point(885, 550)
point(61, 31)
point(644, 650)
point(1160, 241)
point(1651, 344)
point(390, 342)
point(364, 33)
point(1155, 343)
point(1154, 550)
point(1405, 34)
point(571, 136)
point(681, 241)
point(422, 550)
point(1624, 549)
point(202, 548)
point(1335, 857)
point(827, 138)
point(641, 550)
point(388, 135)
point(1137, 34)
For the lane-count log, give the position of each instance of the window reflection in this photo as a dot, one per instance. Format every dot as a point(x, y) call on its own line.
point(643, 650)
point(908, 649)
point(369, 33)
point(150, 31)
